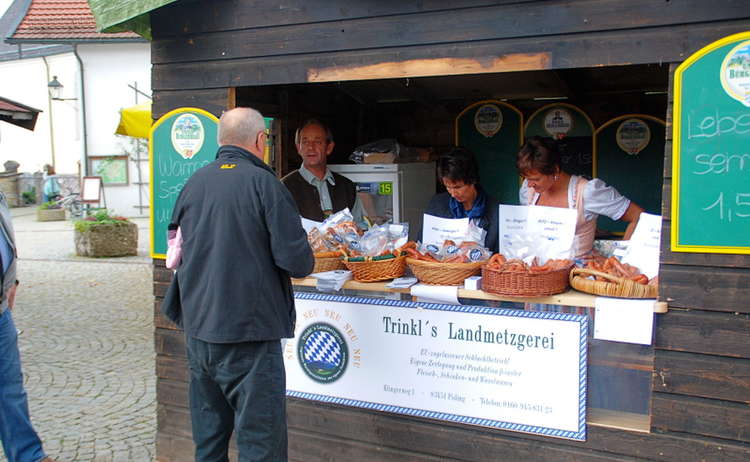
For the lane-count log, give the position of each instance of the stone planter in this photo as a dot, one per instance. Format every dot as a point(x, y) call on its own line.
point(50, 214)
point(107, 240)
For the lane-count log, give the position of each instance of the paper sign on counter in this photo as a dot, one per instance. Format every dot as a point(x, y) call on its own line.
point(308, 225)
point(644, 245)
point(436, 230)
point(435, 294)
point(549, 229)
point(624, 320)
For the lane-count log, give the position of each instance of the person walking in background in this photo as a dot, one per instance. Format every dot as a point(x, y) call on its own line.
point(50, 184)
point(242, 239)
point(20, 441)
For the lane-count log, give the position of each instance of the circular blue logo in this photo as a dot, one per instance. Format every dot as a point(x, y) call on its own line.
point(322, 352)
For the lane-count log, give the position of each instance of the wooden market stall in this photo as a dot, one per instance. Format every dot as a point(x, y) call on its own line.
point(376, 69)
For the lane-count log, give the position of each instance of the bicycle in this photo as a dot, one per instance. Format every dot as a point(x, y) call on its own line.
point(72, 203)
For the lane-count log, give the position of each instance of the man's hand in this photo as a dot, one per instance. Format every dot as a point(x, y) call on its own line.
point(12, 296)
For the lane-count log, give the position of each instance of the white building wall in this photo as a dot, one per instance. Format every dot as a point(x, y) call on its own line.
point(25, 81)
point(108, 70)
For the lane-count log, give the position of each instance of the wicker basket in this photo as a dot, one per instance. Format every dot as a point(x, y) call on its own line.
point(523, 283)
point(328, 264)
point(445, 274)
point(614, 287)
point(379, 270)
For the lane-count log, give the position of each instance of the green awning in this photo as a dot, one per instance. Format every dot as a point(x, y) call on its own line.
point(125, 15)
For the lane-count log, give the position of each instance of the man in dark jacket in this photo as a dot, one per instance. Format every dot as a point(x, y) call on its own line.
point(242, 240)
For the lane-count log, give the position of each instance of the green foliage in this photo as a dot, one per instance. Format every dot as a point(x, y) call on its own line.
point(99, 217)
point(29, 197)
point(49, 205)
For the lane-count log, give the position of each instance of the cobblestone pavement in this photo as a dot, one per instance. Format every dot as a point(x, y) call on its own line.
point(86, 345)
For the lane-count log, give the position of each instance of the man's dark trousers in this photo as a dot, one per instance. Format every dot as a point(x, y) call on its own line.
point(240, 387)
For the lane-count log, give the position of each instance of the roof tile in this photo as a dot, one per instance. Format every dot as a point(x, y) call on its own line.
point(64, 20)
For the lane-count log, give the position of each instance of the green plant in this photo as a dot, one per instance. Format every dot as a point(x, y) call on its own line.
point(29, 197)
point(49, 205)
point(99, 217)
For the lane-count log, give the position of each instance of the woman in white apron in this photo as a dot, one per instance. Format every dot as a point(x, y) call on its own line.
point(545, 183)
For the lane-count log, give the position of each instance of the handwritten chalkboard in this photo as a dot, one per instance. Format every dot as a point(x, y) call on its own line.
point(181, 142)
point(711, 149)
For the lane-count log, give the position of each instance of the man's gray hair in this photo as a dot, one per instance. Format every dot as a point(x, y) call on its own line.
point(329, 133)
point(240, 127)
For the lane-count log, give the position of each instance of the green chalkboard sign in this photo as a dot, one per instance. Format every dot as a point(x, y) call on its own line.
point(492, 130)
point(711, 149)
point(572, 131)
point(629, 154)
point(181, 142)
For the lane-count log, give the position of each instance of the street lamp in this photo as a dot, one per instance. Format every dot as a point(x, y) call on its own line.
point(55, 90)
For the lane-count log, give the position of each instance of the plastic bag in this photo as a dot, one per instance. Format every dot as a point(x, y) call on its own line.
point(383, 151)
point(383, 239)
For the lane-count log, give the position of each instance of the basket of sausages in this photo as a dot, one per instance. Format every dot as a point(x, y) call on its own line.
point(515, 277)
point(611, 278)
point(330, 239)
point(377, 255)
point(448, 265)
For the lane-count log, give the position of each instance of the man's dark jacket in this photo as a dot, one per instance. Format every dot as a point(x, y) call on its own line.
point(242, 240)
point(343, 194)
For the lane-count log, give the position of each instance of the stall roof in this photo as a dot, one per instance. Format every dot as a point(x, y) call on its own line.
point(125, 15)
point(62, 21)
point(18, 114)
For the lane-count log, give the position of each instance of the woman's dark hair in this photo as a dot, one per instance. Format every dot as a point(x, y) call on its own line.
point(458, 164)
point(538, 154)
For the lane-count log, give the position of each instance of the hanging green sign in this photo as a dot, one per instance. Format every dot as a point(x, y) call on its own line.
point(711, 153)
point(493, 131)
point(629, 153)
point(181, 142)
point(572, 131)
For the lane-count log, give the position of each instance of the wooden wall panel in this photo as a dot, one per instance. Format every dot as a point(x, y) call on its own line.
point(720, 419)
point(214, 100)
point(705, 376)
point(724, 334)
point(654, 45)
point(173, 448)
point(169, 342)
point(706, 288)
point(172, 368)
point(201, 17)
point(429, 28)
point(454, 441)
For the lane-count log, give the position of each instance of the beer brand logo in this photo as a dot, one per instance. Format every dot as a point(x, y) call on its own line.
point(558, 122)
point(633, 135)
point(488, 120)
point(187, 135)
point(735, 73)
point(322, 352)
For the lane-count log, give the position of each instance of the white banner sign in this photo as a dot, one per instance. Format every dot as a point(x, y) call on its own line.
point(508, 369)
point(545, 232)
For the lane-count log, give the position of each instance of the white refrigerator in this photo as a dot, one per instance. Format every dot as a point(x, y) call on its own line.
point(394, 193)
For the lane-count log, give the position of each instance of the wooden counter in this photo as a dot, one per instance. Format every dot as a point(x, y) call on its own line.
point(569, 298)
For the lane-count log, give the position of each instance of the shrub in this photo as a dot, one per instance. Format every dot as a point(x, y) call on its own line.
point(49, 205)
point(99, 217)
